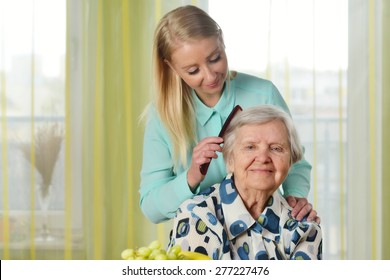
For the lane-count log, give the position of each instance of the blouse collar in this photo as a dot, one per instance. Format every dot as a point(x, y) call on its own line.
point(223, 107)
point(238, 219)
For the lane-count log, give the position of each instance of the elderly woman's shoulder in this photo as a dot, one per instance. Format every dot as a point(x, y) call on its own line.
point(286, 210)
point(205, 198)
point(207, 193)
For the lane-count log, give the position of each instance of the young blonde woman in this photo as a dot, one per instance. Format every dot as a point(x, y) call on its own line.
point(195, 92)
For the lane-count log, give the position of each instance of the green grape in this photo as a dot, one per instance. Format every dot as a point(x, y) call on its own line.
point(153, 251)
point(176, 249)
point(156, 252)
point(144, 252)
point(172, 256)
point(126, 254)
point(161, 257)
point(155, 245)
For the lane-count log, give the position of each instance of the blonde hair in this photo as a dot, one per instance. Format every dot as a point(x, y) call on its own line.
point(174, 101)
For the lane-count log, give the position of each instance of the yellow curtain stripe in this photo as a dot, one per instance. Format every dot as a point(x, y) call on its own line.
point(4, 148)
point(126, 51)
point(385, 221)
point(87, 131)
point(98, 145)
point(158, 10)
point(4, 153)
point(341, 163)
point(160, 227)
point(68, 178)
point(372, 129)
point(32, 160)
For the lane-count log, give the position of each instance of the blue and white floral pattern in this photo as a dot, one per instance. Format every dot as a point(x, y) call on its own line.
point(217, 223)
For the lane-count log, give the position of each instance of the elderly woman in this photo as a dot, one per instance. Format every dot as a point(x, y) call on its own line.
point(245, 216)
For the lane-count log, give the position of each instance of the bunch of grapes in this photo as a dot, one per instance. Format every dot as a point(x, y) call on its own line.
point(153, 251)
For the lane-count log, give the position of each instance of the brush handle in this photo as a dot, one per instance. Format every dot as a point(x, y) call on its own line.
point(204, 167)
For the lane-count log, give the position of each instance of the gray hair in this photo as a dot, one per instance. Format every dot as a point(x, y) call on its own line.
point(259, 115)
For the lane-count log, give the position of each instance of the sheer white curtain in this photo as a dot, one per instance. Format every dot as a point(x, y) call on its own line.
point(364, 234)
point(326, 59)
point(302, 46)
point(34, 168)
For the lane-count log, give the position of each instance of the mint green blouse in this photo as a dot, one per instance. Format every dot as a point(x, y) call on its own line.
point(163, 189)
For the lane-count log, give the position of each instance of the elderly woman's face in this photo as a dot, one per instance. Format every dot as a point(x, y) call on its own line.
point(261, 156)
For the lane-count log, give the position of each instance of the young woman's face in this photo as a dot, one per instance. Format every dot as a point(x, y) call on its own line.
point(261, 156)
point(202, 65)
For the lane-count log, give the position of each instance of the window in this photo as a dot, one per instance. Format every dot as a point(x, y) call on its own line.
point(32, 71)
point(305, 54)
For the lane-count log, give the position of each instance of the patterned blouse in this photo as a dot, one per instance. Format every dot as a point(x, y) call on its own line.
point(217, 223)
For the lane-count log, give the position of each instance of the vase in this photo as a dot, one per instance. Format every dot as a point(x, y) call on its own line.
point(44, 194)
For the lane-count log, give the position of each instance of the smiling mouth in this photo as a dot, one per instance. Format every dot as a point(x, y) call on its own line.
point(262, 170)
point(213, 85)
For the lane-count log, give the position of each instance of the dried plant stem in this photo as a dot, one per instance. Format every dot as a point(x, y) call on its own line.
point(48, 140)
